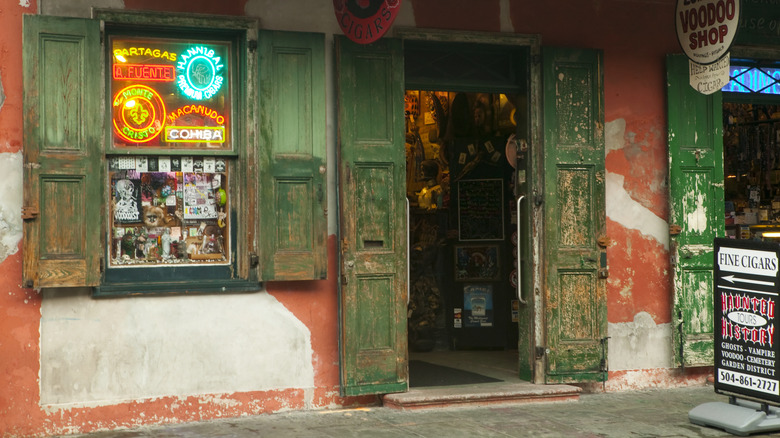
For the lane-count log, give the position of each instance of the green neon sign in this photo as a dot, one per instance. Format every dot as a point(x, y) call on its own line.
point(199, 73)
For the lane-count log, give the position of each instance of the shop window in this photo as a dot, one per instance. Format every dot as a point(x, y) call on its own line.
point(170, 95)
point(198, 167)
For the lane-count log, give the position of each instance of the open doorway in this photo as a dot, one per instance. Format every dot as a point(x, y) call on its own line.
point(463, 307)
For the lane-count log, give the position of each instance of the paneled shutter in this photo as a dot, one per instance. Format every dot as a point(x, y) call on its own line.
point(63, 127)
point(293, 202)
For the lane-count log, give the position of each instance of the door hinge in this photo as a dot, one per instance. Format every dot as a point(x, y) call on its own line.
point(254, 260)
point(30, 213)
point(540, 352)
point(675, 230)
point(252, 45)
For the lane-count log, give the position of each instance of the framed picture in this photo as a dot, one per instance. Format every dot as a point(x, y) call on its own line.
point(481, 209)
point(476, 263)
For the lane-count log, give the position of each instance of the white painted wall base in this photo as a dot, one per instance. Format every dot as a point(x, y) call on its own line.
point(102, 351)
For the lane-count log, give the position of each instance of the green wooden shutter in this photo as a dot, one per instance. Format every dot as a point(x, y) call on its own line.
point(63, 123)
point(575, 216)
point(372, 175)
point(696, 210)
point(292, 205)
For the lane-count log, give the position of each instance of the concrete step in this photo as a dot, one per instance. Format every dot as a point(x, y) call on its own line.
point(480, 395)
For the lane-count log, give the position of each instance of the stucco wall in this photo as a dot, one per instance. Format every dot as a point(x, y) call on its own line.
point(71, 363)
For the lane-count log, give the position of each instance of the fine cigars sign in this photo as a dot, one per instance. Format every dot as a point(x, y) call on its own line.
point(706, 28)
point(746, 295)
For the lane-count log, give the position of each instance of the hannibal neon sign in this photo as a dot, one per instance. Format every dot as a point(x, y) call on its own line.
point(200, 73)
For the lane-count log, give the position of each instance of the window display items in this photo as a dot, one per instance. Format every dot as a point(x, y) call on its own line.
point(170, 217)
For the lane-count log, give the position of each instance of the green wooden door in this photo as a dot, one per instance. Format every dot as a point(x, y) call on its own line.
point(574, 210)
point(372, 178)
point(62, 152)
point(696, 210)
point(291, 156)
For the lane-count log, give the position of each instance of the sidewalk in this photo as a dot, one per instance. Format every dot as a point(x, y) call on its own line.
point(656, 413)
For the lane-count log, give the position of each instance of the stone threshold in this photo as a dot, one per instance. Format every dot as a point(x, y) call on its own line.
point(480, 395)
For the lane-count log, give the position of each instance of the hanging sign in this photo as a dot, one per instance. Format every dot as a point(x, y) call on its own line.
point(365, 21)
point(706, 28)
point(747, 286)
point(707, 79)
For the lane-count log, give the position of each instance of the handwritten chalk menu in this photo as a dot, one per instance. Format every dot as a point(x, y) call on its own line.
point(481, 209)
point(746, 293)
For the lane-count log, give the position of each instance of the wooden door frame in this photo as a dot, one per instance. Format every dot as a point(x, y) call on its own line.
point(535, 141)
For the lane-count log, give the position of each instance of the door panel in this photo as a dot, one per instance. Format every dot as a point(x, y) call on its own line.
point(575, 264)
point(372, 172)
point(696, 210)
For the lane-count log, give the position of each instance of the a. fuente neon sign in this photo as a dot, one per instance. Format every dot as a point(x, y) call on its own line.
point(145, 72)
point(199, 73)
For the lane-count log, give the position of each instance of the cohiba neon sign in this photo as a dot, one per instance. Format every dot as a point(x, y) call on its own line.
point(199, 73)
point(145, 72)
point(139, 113)
point(194, 134)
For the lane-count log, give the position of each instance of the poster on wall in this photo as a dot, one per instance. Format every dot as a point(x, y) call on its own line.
point(746, 294)
point(478, 305)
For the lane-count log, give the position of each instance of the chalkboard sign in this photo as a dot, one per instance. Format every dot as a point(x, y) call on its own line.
point(481, 209)
point(746, 292)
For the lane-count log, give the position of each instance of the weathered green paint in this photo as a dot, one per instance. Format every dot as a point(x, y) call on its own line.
point(574, 209)
point(696, 207)
point(292, 191)
point(62, 152)
point(372, 177)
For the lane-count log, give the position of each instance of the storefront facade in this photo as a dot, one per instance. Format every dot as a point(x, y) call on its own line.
point(214, 205)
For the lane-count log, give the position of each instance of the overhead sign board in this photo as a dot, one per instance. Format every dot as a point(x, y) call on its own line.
point(747, 287)
point(706, 28)
point(365, 21)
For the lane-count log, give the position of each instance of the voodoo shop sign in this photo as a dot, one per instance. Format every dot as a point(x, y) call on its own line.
point(746, 295)
point(706, 28)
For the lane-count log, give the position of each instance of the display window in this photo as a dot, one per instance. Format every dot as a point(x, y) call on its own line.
point(170, 93)
point(168, 96)
point(169, 211)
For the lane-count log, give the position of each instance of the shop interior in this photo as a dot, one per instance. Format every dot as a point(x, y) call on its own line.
point(462, 308)
point(751, 162)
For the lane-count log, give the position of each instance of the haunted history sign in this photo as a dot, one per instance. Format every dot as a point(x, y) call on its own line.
point(746, 294)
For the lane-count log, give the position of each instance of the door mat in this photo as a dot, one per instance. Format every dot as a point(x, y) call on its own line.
point(423, 373)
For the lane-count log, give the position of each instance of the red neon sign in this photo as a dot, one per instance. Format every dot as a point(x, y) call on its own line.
point(145, 72)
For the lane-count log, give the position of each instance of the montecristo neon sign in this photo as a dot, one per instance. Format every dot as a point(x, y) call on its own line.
point(199, 73)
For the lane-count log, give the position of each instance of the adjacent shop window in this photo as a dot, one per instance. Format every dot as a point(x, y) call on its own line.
point(168, 96)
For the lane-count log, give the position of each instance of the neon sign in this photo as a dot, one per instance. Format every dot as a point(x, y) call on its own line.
point(762, 80)
point(206, 112)
point(145, 72)
point(194, 134)
point(139, 113)
point(199, 73)
point(144, 51)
